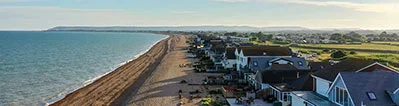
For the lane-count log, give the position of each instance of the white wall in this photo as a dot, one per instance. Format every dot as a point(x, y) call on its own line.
point(265, 86)
point(241, 60)
point(322, 86)
point(296, 101)
point(229, 63)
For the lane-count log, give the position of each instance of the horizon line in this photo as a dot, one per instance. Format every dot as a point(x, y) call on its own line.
point(309, 28)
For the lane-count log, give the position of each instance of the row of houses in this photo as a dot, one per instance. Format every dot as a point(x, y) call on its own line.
point(291, 80)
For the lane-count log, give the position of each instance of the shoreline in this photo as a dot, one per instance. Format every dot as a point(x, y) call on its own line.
point(63, 99)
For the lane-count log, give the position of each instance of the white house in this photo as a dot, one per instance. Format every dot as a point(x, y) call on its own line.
point(245, 54)
point(229, 58)
point(378, 88)
point(323, 79)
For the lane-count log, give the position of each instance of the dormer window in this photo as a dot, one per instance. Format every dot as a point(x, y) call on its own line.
point(371, 96)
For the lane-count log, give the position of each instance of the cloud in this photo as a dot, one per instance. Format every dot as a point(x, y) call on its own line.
point(365, 7)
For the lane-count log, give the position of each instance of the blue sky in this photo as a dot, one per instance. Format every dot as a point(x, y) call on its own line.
point(44, 14)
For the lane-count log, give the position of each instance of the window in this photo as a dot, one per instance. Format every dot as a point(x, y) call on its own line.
point(255, 64)
point(286, 97)
point(371, 96)
point(341, 96)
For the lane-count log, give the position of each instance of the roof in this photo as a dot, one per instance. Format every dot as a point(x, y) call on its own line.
point(266, 51)
point(282, 67)
point(358, 84)
point(230, 53)
point(283, 87)
point(347, 65)
point(313, 98)
point(317, 66)
point(274, 77)
point(218, 47)
point(304, 83)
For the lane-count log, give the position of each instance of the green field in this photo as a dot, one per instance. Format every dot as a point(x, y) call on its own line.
point(391, 58)
point(378, 42)
point(365, 47)
point(387, 43)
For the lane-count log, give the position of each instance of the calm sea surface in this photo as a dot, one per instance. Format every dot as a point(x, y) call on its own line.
point(41, 67)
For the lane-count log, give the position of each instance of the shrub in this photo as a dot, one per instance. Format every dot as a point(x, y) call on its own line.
point(338, 54)
point(352, 52)
point(326, 50)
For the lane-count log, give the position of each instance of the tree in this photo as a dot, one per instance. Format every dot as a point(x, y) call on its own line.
point(354, 37)
point(337, 37)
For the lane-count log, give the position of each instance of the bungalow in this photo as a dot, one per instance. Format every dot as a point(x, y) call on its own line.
point(355, 89)
point(323, 79)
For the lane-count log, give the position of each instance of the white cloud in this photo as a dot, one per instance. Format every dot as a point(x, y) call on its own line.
point(365, 7)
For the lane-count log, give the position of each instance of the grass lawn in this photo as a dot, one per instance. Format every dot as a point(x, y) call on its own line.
point(383, 42)
point(364, 46)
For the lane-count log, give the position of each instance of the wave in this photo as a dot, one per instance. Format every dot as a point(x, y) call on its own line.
point(88, 82)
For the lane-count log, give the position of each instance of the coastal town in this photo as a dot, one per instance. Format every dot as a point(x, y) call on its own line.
point(236, 72)
point(199, 53)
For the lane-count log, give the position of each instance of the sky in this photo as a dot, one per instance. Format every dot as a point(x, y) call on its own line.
point(317, 14)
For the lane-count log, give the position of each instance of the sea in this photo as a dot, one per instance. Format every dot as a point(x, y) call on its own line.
point(40, 67)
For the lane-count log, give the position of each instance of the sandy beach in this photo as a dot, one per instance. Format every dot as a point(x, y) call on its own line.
point(114, 86)
point(161, 88)
point(153, 79)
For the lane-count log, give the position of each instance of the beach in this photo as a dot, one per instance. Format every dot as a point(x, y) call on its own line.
point(162, 86)
point(111, 88)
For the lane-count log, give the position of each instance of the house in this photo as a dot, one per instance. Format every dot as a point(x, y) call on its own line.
point(229, 58)
point(245, 54)
point(250, 60)
point(280, 82)
point(235, 39)
point(264, 79)
point(216, 53)
point(355, 89)
point(323, 79)
point(329, 41)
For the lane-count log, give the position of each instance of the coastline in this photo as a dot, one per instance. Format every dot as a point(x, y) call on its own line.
point(76, 95)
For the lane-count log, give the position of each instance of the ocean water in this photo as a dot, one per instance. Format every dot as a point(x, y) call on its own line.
point(41, 67)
